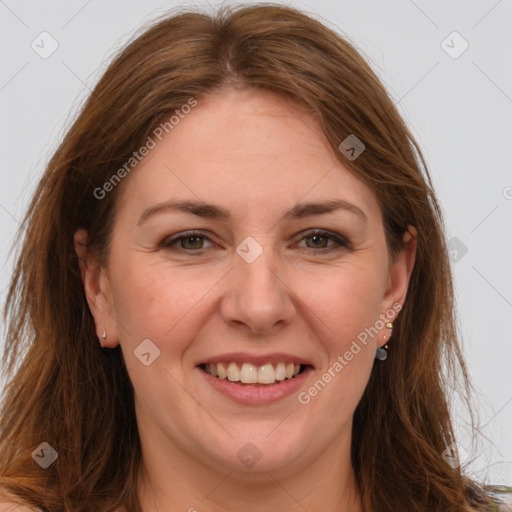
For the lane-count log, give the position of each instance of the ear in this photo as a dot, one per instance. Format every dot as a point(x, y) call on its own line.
point(97, 292)
point(398, 281)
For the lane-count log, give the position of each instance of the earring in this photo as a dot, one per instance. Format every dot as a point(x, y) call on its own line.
point(104, 335)
point(382, 353)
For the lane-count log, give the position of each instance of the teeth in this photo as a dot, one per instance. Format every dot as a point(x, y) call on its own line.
point(213, 369)
point(266, 374)
point(251, 374)
point(233, 372)
point(280, 371)
point(220, 370)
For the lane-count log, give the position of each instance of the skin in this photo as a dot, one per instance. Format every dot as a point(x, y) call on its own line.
point(257, 156)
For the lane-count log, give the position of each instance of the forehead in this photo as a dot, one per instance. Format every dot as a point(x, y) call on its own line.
point(248, 151)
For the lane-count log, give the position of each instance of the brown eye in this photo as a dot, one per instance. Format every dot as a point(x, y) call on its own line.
point(192, 240)
point(317, 240)
point(188, 242)
point(320, 239)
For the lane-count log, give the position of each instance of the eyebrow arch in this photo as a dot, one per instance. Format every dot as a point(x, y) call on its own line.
point(211, 211)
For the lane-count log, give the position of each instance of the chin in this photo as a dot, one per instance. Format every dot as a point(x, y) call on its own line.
point(258, 456)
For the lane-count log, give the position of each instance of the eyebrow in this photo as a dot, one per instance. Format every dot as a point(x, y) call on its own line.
point(214, 212)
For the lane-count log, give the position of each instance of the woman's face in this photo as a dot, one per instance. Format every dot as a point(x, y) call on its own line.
point(253, 284)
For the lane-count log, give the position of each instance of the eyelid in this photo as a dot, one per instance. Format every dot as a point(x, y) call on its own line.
point(169, 241)
point(341, 241)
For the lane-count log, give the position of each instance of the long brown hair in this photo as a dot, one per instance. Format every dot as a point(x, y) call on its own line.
point(64, 390)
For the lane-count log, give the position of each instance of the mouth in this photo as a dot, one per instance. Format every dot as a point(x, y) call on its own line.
point(248, 374)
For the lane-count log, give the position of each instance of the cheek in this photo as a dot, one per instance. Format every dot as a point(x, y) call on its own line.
point(344, 300)
point(345, 309)
point(346, 304)
point(157, 302)
point(163, 306)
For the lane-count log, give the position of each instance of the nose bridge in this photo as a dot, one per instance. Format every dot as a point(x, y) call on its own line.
point(257, 265)
point(256, 294)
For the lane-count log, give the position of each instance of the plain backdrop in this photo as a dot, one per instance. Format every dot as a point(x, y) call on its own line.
point(453, 89)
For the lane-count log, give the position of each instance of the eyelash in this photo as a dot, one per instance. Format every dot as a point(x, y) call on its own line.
point(167, 243)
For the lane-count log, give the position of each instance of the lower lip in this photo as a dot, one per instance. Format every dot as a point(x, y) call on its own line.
point(257, 395)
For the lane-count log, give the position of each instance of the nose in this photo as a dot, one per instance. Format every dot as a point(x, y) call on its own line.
point(258, 298)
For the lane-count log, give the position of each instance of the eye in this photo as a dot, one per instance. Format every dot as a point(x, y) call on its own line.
point(189, 242)
point(192, 241)
point(317, 235)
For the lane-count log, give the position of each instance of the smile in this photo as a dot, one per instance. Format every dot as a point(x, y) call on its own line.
point(247, 373)
point(256, 393)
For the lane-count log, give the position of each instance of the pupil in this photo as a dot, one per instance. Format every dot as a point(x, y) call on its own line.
point(316, 237)
point(192, 238)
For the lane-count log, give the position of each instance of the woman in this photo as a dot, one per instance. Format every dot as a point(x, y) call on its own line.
point(234, 291)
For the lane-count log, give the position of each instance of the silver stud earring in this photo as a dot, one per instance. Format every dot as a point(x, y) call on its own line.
point(382, 353)
point(104, 335)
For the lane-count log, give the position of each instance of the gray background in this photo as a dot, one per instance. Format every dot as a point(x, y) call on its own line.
point(460, 110)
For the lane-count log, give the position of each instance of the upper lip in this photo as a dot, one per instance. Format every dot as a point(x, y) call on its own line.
point(256, 359)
